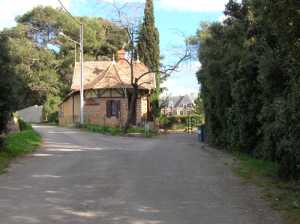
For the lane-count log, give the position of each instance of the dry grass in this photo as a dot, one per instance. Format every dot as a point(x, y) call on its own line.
point(282, 196)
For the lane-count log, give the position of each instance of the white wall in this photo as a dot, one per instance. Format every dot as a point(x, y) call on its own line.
point(32, 114)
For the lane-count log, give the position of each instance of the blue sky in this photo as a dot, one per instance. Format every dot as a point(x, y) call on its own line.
point(172, 17)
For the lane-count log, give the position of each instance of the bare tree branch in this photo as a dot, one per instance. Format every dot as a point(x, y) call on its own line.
point(168, 70)
point(131, 23)
point(140, 84)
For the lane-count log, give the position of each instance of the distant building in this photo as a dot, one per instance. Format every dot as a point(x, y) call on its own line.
point(177, 105)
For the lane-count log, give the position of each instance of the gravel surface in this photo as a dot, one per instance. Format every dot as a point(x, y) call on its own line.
point(86, 178)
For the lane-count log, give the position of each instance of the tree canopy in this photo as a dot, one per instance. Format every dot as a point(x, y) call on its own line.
point(102, 38)
point(148, 48)
point(250, 81)
point(36, 62)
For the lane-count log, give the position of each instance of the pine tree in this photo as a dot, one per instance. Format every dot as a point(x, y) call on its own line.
point(148, 48)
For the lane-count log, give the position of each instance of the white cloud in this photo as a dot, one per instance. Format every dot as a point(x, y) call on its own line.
point(11, 8)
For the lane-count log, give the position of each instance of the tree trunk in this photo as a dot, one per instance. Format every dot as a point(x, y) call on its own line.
point(132, 108)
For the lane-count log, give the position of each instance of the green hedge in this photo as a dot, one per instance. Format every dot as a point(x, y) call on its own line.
point(169, 122)
point(23, 125)
point(114, 130)
point(250, 81)
point(103, 129)
point(19, 143)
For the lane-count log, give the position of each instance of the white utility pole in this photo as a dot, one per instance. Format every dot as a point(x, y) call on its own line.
point(81, 77)
point(81, 60)
point(80, 43)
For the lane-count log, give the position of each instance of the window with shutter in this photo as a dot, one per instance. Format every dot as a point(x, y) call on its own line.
point(117, 108)
point(113, 108)
point(108, 108)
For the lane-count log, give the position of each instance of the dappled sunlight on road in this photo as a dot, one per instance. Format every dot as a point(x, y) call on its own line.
point(63, 132)
point(82, 214)
point(41, 155)
point(148, 209)
point(26, 220)
point(45, 176)
point(60, 207)
point(11, 188)
point(86, 178)
point(144, 221)
point(51, 146)
point(53, 192)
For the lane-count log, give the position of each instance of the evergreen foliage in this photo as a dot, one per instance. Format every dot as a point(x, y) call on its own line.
point(148, 49)
point(27, 73)
point(102, 38)
point(18, 144)
point(37, 63)
point(251, 83)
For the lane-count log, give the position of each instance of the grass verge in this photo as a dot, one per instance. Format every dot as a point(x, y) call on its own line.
point(116, 131)
point(18, 144)
point(282, 196)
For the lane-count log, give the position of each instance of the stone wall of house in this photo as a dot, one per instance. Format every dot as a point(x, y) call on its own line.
point(144, 107)
point(70, 111)
point(138, 112)
point(141, 110)
point(95, 112)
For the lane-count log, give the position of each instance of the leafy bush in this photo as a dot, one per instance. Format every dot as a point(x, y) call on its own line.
point(250, 81)
point(114, 130)
point(50, 109)
point(23, 125)
point(164, 122)
point(19, 143)
point(169, 122)
point(103, 129)
point(53, 117)
point(136, 130)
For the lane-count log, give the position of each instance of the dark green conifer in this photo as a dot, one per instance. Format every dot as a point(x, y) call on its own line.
point(148, 48)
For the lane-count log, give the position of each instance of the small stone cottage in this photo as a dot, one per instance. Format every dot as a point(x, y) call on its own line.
point(107, 93)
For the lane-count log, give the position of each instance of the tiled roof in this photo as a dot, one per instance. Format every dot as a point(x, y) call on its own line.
point(108, 74)
point(186, 100)
point(176, 101)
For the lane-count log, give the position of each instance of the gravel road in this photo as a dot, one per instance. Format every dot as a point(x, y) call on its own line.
point(86, 178)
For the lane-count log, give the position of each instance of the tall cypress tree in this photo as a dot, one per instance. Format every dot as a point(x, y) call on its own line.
point(148, 48)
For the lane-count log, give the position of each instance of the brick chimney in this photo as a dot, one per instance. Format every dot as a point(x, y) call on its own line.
point(121, 54)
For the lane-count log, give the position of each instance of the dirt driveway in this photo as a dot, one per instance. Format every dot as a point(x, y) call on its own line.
point(85, 178)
